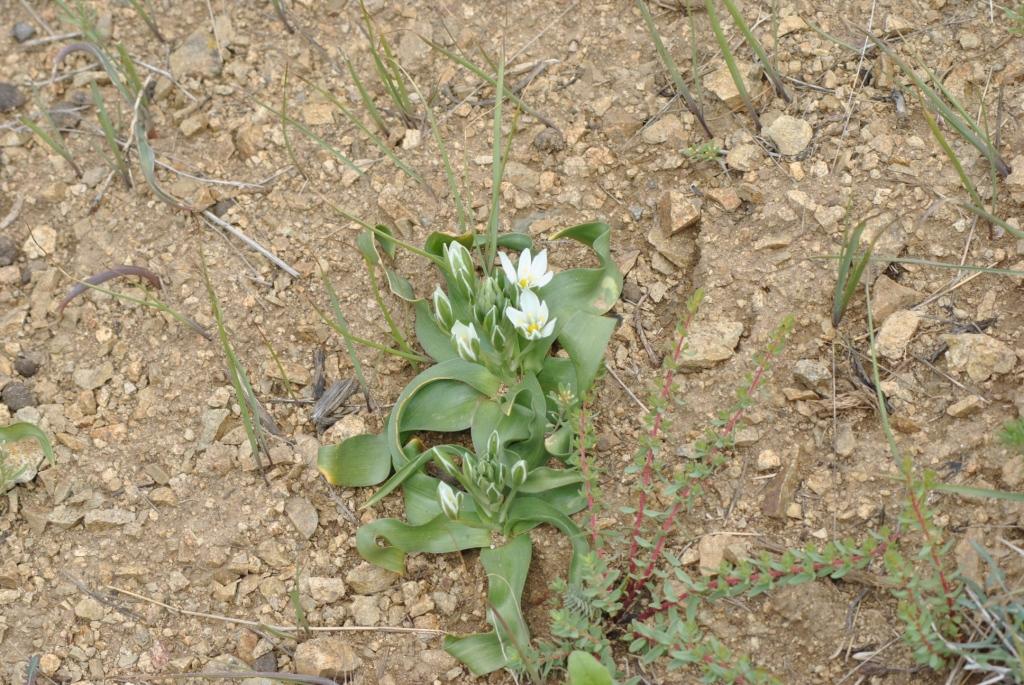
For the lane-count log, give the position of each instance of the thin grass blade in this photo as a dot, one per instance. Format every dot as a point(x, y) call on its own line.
point(673, 70)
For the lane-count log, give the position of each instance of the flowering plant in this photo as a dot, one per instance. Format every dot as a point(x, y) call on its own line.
point(489, 330)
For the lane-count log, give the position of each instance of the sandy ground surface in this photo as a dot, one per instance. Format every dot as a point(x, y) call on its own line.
point(154, 490)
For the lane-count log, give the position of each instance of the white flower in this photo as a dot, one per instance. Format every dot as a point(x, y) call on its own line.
point(532, 273)
point(465, 340)
point(532, 318)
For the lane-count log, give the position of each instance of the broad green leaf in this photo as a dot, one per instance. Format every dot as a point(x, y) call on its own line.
point(419, 493)
point(21, 431)
point(532, 447)
point(356, 462)
point(545, 478)
point(481, 653)
point(559, 443)
point(488, 417)
point(438, 536)
point(585, 337)
point(590, 290)
point(431, 338)
point(506, 567)
point(400, 286)
point(445, 407)
point(584, 669)
point(435, 242)
point(514, 241)
point(557, 371)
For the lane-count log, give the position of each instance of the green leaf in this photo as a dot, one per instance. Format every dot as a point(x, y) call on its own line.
point(356, 462)
point(528, 511)
point(482, 653)
point(530, 396)
point(473, 375)
point(590, 290)
point(544, 478)
point(445, 406)
point(21, 431)
point(438, 536)
point(585, 337)
point(584, 669)
point(430, 336)
point(506, 567)
point(400, 286)
point(364, 243)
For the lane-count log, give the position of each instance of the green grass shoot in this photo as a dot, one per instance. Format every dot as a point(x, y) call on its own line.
point(249, 408)
point(852, 262)
point(672, 68)
point(963, 125)
point(52, 140)
point(758, 49)
point(116, 155)
point(730, 62)
point(497, 170)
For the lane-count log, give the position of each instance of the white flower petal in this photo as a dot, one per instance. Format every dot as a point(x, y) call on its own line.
point(549, 329)
point(529, 302)
point(517, 317)
point(524, 268)
point(507, 267)
point(539, 266)
point(543, 280)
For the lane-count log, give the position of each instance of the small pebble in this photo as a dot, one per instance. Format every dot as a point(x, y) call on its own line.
point(10, 97)
point(549, 140)
point(22, 31)
point(8, 251)
point(18, 396)
point(26, 366)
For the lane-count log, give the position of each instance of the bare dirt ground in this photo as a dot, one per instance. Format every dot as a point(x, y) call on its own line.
point(154, 490)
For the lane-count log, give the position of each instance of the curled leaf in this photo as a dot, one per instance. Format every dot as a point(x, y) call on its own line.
point(107, 275)
point(20, 431)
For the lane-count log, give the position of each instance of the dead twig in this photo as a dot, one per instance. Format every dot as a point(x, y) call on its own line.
point(103, 599)
point(216, 221)
point(282, 629)
point(13, 214)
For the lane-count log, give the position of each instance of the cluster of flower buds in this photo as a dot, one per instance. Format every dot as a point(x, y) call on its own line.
point(486, 478)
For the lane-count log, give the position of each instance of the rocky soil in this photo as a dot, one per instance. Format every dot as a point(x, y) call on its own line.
point(155, 544)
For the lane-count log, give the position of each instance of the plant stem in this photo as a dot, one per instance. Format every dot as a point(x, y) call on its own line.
point(648, 471)
point(588, 489)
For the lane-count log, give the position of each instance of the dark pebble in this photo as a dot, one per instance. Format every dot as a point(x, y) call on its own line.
point(8, 251)
point(22, 31)
point(66, 114)
point(631, 292)
point(266, 663)
point(10, 97)
point(26, 366)
point(18, 395)
point(30, 268)
point(549, 140)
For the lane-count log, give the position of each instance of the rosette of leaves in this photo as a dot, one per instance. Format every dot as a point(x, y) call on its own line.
point(495, 381)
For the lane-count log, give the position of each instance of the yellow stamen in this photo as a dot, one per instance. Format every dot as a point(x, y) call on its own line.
point(523, 282)
point(532, 328)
